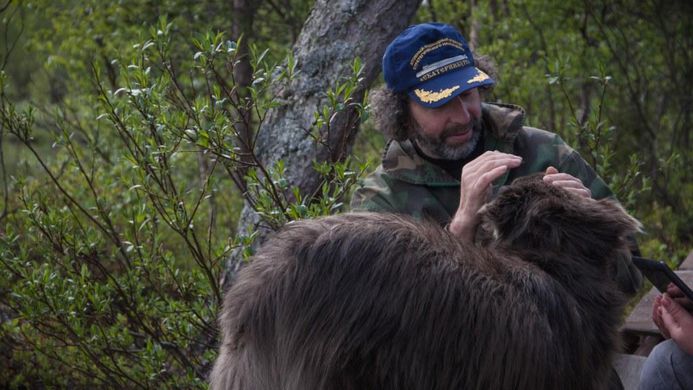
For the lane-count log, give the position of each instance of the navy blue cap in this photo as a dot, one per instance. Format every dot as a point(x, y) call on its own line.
point(432, 63)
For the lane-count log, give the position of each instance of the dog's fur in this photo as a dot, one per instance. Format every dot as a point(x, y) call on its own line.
point(378, 301)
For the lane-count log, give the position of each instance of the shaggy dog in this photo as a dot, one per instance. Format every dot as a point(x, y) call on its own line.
point(378, 301)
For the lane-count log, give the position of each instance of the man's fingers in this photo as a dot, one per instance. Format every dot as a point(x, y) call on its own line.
point(496, 153)
point(476, 179)
point(485, 180)
point(564, 182)
point(568, 182)
point(560, 177)
point(491, 159)
point(551, 171)
point(491, 163)
point(476, 193)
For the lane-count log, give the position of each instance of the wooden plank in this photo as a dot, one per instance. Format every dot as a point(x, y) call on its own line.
point(687, 263)
point(640, 319)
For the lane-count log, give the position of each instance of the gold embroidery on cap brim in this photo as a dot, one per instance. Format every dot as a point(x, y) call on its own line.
point(481, 76)
point(432, 96)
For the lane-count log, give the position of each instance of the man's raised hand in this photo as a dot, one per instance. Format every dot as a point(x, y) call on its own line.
point(475, 187)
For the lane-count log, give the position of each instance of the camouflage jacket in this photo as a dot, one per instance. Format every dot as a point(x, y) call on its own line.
point(408, 184)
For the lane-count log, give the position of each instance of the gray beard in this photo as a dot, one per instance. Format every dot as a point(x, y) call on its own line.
point(437, 148)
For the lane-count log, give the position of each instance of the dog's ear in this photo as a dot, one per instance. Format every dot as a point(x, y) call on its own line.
point(592, 227)
point(617, 218)
point(509, 216)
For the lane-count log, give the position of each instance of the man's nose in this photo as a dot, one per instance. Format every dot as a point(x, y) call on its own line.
point(461, 111)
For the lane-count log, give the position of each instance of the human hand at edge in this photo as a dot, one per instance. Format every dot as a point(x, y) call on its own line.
point(475, 186)
point(674, 322)
point(677, 295)
point(566, 181)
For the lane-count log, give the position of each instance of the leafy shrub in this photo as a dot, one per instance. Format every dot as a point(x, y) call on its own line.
point(111, 260)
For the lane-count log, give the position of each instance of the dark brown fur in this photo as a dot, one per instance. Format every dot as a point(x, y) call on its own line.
point(377, 301)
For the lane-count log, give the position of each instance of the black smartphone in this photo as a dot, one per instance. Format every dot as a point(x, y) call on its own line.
point(659, 273)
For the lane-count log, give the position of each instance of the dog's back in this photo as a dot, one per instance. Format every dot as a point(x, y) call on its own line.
point(381, 301)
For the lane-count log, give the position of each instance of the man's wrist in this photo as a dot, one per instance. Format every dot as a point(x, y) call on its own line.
point(462, 228)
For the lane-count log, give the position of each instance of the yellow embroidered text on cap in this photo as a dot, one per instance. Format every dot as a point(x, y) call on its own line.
point(414, 62)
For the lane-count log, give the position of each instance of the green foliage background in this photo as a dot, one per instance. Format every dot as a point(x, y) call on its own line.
point(120, 164)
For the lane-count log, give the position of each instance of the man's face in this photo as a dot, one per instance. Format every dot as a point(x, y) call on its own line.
point(450, 131)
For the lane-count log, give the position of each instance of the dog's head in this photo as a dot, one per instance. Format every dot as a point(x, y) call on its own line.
point(533, 214)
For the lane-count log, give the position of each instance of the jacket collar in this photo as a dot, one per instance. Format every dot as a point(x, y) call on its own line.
point(501, 124)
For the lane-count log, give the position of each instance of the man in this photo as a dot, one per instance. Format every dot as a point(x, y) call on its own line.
point(450, 151)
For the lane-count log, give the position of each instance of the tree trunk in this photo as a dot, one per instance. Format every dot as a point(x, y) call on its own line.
point(583, 117)
point(242, 28)
point(474, 29)
point(336, 32)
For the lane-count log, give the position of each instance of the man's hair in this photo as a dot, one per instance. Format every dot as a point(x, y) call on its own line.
point(390, 110)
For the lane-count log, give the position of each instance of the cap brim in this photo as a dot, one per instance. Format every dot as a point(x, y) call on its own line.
point(440, 90)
